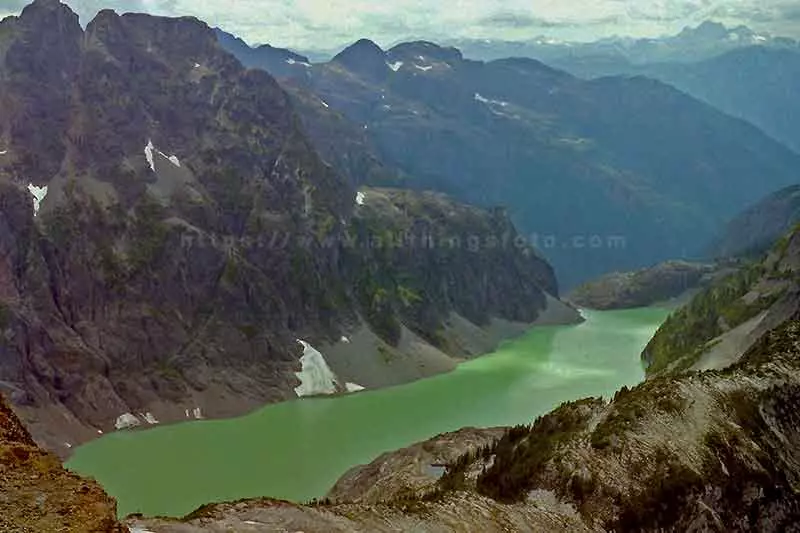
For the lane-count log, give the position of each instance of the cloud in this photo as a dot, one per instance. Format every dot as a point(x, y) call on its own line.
point(519, 20)
point(324, 24)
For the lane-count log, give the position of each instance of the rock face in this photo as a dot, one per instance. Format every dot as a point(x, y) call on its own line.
point(575, 161)
point(623, 290)
point(190, 234)
point(39, 495)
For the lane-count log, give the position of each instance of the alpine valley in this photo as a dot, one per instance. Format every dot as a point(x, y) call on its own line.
point(331, 261)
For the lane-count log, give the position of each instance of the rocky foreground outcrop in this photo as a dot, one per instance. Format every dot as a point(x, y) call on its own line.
point(37, 495)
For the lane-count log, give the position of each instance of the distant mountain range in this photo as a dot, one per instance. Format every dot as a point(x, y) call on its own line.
point(586, 167)
point(707, 40)
point(746, 74)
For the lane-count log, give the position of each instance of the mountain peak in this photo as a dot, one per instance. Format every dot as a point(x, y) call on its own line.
point(364, 57)
point(52, 13)
point(428, 49)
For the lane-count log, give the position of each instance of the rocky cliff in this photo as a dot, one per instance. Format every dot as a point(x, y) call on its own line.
point(168, 235)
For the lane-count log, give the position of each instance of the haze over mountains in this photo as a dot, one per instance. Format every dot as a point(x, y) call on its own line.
point(583, 165)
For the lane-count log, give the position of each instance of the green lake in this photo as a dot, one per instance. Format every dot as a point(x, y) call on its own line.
point(296, 450)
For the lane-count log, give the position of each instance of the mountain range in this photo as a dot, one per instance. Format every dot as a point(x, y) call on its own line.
point(181, 233)
point(173, 245)
point(690, 45)
point(609, 174)
point(737, 70)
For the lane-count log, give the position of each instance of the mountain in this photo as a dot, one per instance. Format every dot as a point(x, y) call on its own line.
point(601, 175)
point(613, 54)
point(279, 62)
point(642, 288)
point(174, 246)
point(759, 227)
point(745, 74)
point(731, 315)
point(756, 83)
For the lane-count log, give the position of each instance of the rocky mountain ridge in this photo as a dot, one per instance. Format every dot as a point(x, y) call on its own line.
point(169, 234)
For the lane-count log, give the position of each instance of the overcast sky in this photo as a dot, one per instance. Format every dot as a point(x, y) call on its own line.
point(325, 24)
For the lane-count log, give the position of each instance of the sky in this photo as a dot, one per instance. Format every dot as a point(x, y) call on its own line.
point(329, 24)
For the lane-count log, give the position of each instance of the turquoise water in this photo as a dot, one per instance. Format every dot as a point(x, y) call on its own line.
point(296, 450)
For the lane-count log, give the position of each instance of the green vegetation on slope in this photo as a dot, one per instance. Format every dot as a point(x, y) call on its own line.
point(686, 333)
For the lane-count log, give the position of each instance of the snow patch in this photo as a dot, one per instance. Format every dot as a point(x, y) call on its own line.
point(395, 66)
point(38, 194)
point(324, 103)
point(150, 419)
point(360, 198)
point(759, 38)
point(291, 61)
point(484, 100)
point(426, 68)
point(187, 413)
point(148, 154)
point(421, 58)
point(197, 413)
point(353, 387)
point(3, 152)
point(99, 431)
point(197, 65)
point(68, 445)
point(315, 377)
point(126, 421)
point(345, 340)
